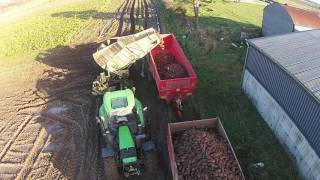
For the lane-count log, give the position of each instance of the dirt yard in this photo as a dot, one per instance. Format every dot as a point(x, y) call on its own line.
point(47, 127)
point(46, 130)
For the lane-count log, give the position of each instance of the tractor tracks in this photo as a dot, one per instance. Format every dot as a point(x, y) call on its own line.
point(45, 126)
point(132, 16)
point(14, 137)
point(24, 138)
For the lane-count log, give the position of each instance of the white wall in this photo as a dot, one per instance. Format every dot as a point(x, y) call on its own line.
point(283, 127)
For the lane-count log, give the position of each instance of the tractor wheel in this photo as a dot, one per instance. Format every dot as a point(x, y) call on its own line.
point(151, 163)
point(111, 169)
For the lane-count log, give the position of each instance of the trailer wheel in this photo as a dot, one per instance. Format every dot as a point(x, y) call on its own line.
point(111, 169)
point(151, 163)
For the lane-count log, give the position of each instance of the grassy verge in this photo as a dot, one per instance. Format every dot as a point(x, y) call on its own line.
point(218, 65)
point(51, 27)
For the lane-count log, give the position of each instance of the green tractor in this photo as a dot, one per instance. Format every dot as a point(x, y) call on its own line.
point(121, 118)
point(122, 123)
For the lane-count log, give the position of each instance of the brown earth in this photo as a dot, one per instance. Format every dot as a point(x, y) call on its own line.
point(46, 130)
point(47, 127)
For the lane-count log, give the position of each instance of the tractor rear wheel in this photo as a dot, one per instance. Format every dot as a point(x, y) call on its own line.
point(111, 169)
point(151, 163)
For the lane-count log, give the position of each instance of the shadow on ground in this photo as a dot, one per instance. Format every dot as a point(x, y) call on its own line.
point(69, 114)
point(84, 14)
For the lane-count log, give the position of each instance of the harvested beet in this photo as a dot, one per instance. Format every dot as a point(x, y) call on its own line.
point(167, 66)
point(202, 154)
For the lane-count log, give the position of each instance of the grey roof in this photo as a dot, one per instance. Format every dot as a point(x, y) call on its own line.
point(298, 54)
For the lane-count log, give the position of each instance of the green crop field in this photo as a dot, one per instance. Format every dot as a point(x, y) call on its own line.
point(219, 68)
point(51, 27)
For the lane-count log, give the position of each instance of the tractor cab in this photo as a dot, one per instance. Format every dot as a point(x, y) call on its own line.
point(119, 108)
point(122, 124)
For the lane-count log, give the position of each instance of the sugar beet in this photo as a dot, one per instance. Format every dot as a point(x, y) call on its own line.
point(203, 154)
point(167, 66)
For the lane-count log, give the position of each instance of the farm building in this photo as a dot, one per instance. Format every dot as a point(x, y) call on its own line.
point(281, 18)
point(281, 77)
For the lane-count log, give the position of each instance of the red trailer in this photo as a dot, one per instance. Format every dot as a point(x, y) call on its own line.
point(178, 89)
point(174, 128)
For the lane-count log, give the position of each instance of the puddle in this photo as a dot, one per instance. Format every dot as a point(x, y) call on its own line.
point(57, 110)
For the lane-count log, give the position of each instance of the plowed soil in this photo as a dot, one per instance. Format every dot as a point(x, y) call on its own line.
point(47, 127)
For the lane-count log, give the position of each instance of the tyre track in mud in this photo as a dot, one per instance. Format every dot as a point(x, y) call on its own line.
point(125, 20)
point(14, 137)
point(132, 17)
point(73, 159)
point(111, 29)
point(11, 156)
point(19, 131)
point(33, 154)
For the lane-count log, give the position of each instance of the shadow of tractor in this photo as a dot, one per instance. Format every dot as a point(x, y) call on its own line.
point(84, 14)
point(69, 113)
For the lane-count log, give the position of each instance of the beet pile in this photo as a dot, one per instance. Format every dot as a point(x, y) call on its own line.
point(167, 66)
point(204, 155)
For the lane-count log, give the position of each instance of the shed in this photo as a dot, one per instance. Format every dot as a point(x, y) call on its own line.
point(282, 18)
point(281, 77)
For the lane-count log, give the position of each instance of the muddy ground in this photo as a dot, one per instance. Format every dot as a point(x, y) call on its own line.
point(47, 126)
point(46, 129)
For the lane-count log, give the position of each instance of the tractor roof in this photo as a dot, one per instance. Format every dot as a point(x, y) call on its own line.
point(118, 100)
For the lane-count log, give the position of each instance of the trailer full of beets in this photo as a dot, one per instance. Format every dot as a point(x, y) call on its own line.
point(174, 76)
point(198, 149)
point(201, 150)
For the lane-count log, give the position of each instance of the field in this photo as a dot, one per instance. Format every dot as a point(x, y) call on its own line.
point(55, 25)
point(46, 109)
point(46, 126)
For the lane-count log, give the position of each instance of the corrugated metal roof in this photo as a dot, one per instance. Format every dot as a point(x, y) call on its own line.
point(301, 17)
point(298, 54)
